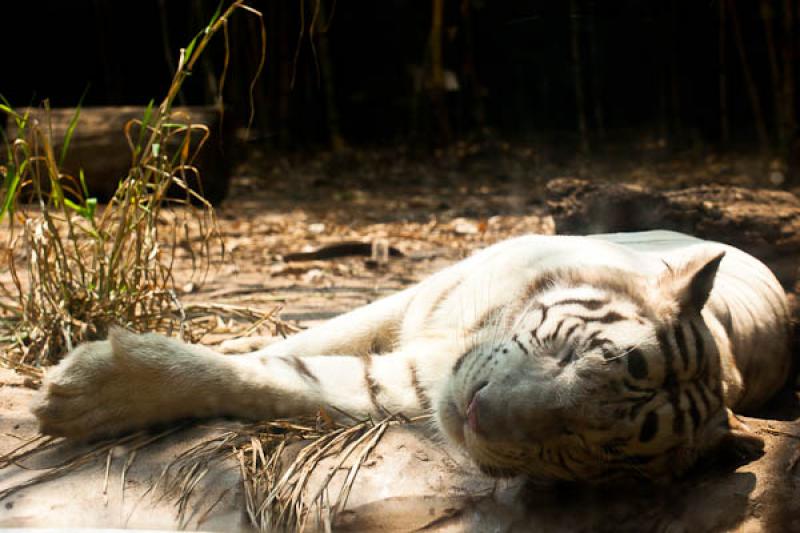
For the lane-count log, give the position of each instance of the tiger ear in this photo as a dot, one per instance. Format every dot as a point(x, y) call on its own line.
point(689, 284)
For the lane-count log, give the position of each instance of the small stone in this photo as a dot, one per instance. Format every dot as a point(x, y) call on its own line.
point(421, 456)
point(462, 226)
point(314, 275)
point(776, 178)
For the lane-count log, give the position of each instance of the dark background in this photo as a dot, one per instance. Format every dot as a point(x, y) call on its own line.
point(646, 70)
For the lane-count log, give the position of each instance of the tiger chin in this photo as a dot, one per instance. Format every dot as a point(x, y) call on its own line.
point(559, 357)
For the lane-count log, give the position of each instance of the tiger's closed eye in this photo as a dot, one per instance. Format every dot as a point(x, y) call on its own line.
point(567, 357)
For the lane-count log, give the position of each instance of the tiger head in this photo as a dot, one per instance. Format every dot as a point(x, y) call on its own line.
point(596, 374)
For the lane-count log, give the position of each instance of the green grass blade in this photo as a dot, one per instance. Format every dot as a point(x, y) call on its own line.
point(148, 117)
point(82, 179)
point(7, 108)
point(215, 16)
point(71, 128)
point(10, 185)
point(22, 123)
point(86, 211)
point(190, 48)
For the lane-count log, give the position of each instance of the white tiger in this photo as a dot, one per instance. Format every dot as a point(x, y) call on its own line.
point(565, 357)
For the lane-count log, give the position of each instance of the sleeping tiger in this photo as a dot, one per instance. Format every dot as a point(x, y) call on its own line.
point(560, 357)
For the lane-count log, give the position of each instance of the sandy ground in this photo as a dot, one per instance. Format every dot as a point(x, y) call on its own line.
point(434, 216)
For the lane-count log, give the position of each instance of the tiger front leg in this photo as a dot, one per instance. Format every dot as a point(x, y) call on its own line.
point(133, 381)
point(129, 382)
point(347, 387)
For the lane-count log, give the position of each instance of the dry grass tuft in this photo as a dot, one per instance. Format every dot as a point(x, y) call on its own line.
point(243, 321)
point(277, 496)
point(77, 269)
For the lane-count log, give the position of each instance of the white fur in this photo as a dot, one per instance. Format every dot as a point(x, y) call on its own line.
point(131, 381)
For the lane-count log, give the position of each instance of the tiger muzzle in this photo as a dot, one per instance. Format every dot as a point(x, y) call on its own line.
point(499, 412)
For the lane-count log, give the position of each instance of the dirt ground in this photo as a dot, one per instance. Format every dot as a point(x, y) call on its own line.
point(435, 210)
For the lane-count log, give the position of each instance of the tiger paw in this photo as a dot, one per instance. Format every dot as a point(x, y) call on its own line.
point(104, 388)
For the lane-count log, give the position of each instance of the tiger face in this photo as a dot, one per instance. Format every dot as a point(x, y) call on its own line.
point(593, 376)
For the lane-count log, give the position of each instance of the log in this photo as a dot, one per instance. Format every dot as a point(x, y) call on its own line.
point(100, 148)
point(764, 223)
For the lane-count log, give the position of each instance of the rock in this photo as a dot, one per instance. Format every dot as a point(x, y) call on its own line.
point(764, 223)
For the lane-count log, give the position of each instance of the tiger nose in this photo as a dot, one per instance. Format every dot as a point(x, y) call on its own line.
point(473, 409)
point(495, 414)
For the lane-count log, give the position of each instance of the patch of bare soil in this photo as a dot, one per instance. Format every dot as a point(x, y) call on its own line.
point(434, 211)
